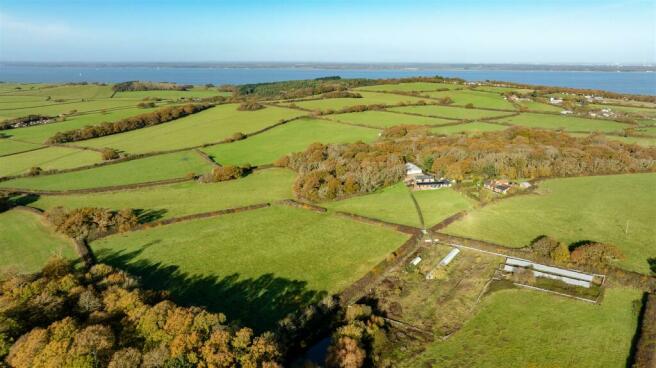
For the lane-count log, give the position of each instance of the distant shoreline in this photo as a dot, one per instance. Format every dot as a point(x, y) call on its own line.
point(345, 66)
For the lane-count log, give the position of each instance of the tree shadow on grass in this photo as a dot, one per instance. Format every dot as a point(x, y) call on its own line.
point(572, 247)
point(145, 216)
point(257, 303)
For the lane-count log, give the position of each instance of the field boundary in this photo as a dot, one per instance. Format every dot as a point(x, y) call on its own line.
point(114, 188)
point(645, 353)
point(373, 221)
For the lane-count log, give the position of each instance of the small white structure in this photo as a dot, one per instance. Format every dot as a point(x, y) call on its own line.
point(555, 101)
point(539, 270)
point(449, 257)
point(415, 261)
point(412, 169)
point(567, 112)
point(524, 185)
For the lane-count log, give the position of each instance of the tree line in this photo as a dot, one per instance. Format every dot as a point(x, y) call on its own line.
point(160, 116)
point(149, 86)
point(340, 170)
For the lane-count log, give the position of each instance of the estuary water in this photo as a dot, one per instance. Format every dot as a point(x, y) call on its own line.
point(624, 82)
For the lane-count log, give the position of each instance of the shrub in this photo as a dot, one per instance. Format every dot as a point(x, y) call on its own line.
point(227, 172)
point(109, 154)
point(34, 171)
point(89, 223)
point(250, 106)
point(145, 105)
point(596, 254)
point(446, 100)
point(469, 106)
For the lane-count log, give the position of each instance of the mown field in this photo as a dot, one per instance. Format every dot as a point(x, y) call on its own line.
point(618, 210)
point(368, 98)
point(47, 159)
point(8, 146)
point(566, 123)
point(253, 266)
point(384, 119)
point(295, 136)
point(411, 87)
point(394, 204)
point(480, 99)
point(469, 128)
point(27, 242)
point(520, 328)
point(450, 112)
point(165, 201)
point(169, 166)
point(209, 126)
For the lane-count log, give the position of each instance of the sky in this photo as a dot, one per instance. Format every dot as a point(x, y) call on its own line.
point(364, 31)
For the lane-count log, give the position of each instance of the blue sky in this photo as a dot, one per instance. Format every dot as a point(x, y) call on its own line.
point(469, 31)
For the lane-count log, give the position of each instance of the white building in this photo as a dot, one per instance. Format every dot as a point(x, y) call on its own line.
point(412, 169)
point(555, 101)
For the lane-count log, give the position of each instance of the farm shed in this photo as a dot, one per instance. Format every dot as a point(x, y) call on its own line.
point(449, 257)
point(539, 270)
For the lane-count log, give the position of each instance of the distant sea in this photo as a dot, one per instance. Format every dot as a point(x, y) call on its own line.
point(624, 82)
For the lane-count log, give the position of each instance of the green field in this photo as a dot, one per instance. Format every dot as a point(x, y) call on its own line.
point(259, 187)
point(47, 159)
point(411, 87)
point(384, 119)
point(209, 126)
point(172, 95)
point(540, 106)
point(503, 89)
point(51, 108)
point(394, 204)
point(449, 112)
point(65, 92)
point(599, 208)
point(254, 265)
point(295, 136)
point(8, 146)
point(642, 141)
point(368, 98)
point(26, 242)
point(520, 328)
point(479, 99)
point(468, 128)
point(566, 123)
point(40, 133)
point(169, 166)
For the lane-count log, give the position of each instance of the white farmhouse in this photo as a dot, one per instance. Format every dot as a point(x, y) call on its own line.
point(412, 169)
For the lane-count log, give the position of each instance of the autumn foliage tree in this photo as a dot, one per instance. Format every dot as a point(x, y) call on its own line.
point(356, 342)
point(89, 223)
point(596, 254)
point(333, 171)
point(64, 317)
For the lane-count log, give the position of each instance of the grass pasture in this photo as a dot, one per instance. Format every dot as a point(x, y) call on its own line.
point(468, 128)
point(52, 108)
point(566, 123)
point(64, 92)
point(253, 266)
point(26, 242)
point(384, 119)
point(169, 166)
point(208, 126)
point(8, 146)
point(47, 159)
point(295, 136)
point(394, 204)
point(259, 187)
point(540, 106)
point(449, 112)
point(598, 208)
point(172, 95)
point(521, 328)
point(368, 98)
point(411, 87)
point(40, 133)
point(479, 99)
